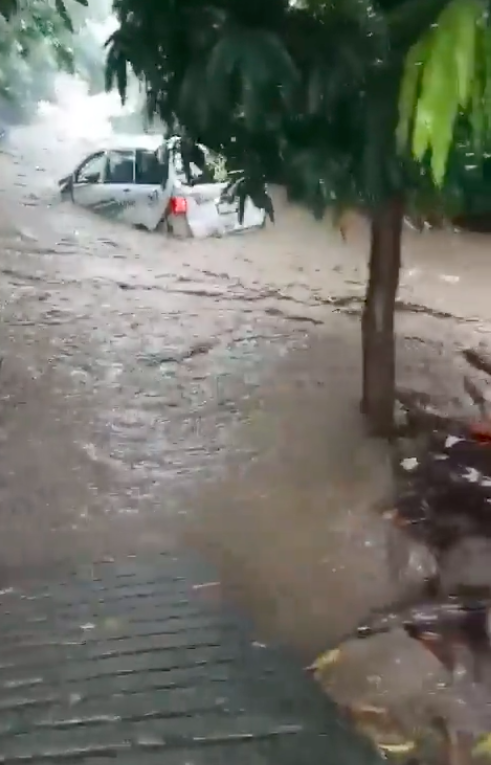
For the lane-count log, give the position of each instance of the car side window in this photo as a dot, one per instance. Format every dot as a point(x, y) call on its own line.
point(150, 169)
point(120, 167)
point(92, 170)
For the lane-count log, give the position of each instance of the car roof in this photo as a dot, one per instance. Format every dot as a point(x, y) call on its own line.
point(122, 142)
point(148, 141)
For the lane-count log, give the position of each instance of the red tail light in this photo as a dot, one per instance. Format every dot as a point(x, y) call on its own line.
point(178, 205)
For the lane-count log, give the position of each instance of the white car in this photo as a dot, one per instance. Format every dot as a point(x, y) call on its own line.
point(149, 189)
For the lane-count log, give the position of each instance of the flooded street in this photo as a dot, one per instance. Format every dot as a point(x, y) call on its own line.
point(157, 392)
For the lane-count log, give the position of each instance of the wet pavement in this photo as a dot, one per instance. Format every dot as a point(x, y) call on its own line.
point(157, 393)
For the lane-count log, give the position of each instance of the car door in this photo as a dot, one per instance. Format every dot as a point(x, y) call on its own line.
point(210, 214)
point(228, 209)
point(152, 188)
point(88, 181)
point(119, 185)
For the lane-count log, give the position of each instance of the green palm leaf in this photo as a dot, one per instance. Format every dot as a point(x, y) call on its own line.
point(442, 79)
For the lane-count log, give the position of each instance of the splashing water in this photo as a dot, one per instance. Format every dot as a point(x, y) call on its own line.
point(64, 132)
point(76, 115)
point(77, 122)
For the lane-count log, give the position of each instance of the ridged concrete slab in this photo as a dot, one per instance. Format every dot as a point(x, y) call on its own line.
point(129, 661)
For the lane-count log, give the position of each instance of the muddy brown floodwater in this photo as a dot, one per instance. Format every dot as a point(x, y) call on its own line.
point(157, 392)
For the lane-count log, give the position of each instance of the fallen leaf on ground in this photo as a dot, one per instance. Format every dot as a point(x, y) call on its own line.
point(381, 728)
point(483, 747)
point(325, 660)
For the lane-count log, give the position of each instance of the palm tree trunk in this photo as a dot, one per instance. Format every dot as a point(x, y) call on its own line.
point(379, 368)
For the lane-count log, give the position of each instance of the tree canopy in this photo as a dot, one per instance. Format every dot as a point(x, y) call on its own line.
point(40, 37)
point(11, 8)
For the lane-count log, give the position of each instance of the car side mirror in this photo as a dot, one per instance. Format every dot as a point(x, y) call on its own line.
point(90, 178)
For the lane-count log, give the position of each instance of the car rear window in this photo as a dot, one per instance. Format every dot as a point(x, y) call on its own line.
point(149, 169)
point(213, 172)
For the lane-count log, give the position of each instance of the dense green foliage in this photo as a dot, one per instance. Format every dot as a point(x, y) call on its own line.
point(38, 38)
point(42, 10)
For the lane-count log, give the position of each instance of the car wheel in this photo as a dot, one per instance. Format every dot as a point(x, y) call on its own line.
point(163, 225)
point(179, 227)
